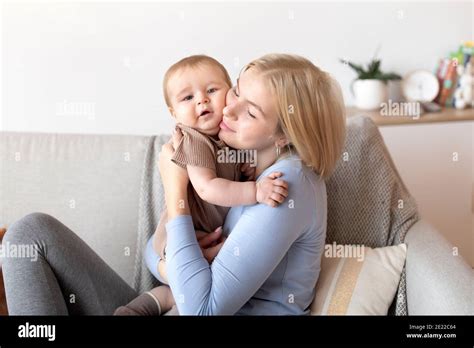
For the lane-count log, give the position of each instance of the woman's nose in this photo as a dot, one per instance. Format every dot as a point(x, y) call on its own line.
point(230, 96)
point(229, 111)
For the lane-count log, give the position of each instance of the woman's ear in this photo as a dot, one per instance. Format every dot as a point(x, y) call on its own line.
point(282, 141)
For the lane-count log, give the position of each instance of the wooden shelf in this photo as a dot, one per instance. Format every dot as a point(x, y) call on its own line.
point(445, 115)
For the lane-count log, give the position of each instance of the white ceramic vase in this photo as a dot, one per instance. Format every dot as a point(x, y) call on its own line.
point(369, 94)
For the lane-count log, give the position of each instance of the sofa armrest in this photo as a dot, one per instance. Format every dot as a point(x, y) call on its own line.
point(438, 282)
point(3, 299)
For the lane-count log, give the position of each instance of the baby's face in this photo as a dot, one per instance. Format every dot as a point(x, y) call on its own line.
point(197, 96)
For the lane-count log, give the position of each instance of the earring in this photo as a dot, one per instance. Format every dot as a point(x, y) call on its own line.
point(278, 150)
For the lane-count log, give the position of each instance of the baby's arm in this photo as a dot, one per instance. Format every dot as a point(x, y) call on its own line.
point(227, 193)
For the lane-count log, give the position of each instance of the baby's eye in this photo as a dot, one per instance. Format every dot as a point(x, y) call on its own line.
point(212, 90)
point(188, 97)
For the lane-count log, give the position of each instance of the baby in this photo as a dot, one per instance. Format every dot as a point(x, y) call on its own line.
point(195, 90)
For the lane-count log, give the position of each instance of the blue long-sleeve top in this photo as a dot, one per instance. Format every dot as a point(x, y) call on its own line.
point(270, 261)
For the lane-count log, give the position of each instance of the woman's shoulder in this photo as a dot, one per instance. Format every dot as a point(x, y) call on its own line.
point(306, 204)
point(306, 190)
point(304, 184)
point(294, 171)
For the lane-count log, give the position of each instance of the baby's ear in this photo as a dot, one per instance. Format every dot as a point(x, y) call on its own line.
point(171, 110)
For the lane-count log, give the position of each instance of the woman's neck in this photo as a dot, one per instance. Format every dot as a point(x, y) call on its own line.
point(265, 158)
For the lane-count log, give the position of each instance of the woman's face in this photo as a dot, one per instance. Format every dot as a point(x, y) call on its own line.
point(250, 117)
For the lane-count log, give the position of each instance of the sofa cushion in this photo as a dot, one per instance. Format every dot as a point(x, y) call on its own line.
point(88, 182)
point(358, 280)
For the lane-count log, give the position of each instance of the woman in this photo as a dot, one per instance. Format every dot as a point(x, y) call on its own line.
point(292, 114)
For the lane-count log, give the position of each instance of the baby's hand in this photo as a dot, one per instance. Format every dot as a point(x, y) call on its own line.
point(271, 190)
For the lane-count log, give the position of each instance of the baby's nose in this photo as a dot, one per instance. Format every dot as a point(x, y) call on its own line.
point(203, 100)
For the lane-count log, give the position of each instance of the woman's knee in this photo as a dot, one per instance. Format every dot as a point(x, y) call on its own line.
point(29, 227)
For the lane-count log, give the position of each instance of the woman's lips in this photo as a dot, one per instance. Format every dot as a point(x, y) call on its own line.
point(224, 126)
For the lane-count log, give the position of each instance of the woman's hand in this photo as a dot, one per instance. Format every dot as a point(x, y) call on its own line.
point(210, 243)
point(174, 178)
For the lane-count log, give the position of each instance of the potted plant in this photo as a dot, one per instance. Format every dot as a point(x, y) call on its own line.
point(370, 87)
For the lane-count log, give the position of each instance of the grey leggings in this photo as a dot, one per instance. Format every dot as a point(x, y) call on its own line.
point(68, 277)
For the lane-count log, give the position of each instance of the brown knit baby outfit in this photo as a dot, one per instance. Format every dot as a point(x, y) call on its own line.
point(200, 150)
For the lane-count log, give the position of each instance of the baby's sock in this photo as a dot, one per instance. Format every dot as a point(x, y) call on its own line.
point(145, 304)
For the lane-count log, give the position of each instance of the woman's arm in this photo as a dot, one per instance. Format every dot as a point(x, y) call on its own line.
point(175, 181)
point(162, 270)
point(210, 244)
point(257, 244)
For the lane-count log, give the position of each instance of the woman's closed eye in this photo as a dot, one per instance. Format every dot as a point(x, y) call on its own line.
point(234, 90)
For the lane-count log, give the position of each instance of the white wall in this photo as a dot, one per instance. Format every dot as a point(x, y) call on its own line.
point(443, 187)
point(87, 67)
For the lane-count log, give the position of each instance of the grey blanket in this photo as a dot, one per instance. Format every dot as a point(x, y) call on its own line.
point(151, 204)
point(368, 202)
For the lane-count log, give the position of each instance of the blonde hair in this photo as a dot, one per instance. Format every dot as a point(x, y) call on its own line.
point(192, 62)
point(311, 111)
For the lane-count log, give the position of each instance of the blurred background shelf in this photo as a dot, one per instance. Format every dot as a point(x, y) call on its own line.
point(445, 115)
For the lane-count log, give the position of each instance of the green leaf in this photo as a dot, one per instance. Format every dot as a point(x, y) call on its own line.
point(357, 68)
point(374, 67)
point(373, 71)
